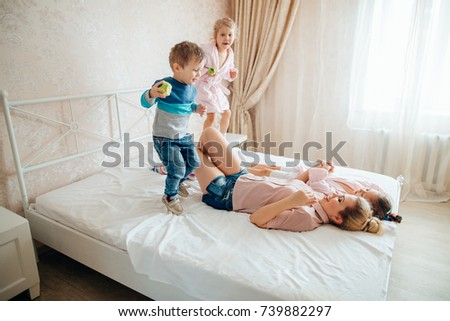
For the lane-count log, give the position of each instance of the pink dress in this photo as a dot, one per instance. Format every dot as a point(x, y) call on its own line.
point(323, 182)
point(210, 90)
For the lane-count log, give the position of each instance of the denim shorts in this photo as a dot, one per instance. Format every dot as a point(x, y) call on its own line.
point(220, 191)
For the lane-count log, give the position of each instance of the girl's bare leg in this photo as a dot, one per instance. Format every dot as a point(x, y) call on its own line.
point(225, 121)
point(209, 121)
point(214, 144)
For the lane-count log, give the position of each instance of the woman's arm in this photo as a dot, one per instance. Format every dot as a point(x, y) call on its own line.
point(262, 169)
point(266, 213)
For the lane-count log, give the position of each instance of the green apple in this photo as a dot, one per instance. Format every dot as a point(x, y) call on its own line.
point(166, 87)
point(211, 71)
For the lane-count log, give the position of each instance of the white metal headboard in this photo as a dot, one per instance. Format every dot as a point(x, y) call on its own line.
point(116, 97)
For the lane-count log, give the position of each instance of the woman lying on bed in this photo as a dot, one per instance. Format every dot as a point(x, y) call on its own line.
point(273, 203)
point(317, 177)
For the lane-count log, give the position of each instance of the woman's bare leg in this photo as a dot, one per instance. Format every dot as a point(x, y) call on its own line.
point(214, 144)
point(207, 171)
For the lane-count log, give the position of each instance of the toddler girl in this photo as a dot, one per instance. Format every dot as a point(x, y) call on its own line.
point(219, 66)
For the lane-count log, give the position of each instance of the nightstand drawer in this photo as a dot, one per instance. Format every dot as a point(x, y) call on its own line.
point(18, 268)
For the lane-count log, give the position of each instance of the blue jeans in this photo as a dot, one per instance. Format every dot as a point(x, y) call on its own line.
point(180, 158)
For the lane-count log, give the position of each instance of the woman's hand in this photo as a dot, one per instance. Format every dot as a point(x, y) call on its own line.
point(264, 166)
point(266, 213)
point(262, 169)
point(301, 198)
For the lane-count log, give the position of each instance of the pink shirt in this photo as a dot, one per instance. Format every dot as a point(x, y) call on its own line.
point(252, 192)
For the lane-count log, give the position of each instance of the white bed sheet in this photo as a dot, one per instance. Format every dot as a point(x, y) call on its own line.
point(219, 255)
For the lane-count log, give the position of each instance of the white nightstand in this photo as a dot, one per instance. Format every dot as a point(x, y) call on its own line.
point(18, 268)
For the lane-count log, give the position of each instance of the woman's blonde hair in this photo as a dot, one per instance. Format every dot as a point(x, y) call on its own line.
point(227, 22)
point(359, 218)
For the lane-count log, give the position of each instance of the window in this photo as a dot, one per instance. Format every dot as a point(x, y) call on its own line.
point(401, 66)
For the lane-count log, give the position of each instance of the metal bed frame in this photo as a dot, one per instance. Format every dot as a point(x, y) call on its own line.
point(102, 257)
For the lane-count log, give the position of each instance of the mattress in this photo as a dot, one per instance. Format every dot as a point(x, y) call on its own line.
point(218, 255)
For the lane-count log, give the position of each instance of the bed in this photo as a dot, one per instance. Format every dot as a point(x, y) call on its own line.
point(114, 221)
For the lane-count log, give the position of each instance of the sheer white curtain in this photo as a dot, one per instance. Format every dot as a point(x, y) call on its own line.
point(367, 83)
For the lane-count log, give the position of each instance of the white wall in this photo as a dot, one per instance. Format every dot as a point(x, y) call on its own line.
point(50, 48)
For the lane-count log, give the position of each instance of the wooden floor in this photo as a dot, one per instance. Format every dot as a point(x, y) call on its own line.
point(63, 279)
point(421, 263)
point(420, 267)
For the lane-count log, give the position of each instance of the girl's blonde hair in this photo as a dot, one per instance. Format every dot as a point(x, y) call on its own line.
point(359, 218)
point(227, 22)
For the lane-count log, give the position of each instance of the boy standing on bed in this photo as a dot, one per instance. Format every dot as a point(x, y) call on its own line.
point(174, 97)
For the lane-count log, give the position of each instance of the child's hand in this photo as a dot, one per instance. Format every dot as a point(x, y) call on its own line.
point(233, 73)
point(156, 91)
point(201, 109)
point(212, 72)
